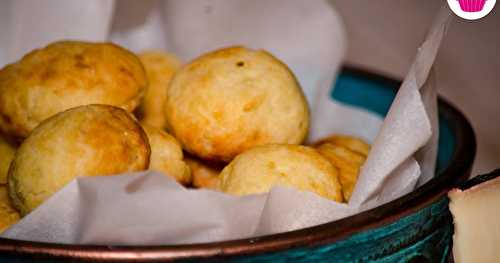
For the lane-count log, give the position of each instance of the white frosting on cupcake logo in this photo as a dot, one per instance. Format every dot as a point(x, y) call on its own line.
point(471, 9)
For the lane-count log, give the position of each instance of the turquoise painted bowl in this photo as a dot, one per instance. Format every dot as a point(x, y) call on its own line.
point(415, 227)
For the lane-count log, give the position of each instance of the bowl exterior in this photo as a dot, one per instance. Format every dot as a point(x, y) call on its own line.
point(423, 236)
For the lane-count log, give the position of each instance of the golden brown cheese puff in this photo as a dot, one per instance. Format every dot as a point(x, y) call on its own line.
point(230, 100)
point(7, 151)
point(347, 161)
point(8, 215)
point(160, 68)
point(166, 155)
point(64, 75)
point(349, 142)
point(259, 169)
point(83, 141)
point(205, 174)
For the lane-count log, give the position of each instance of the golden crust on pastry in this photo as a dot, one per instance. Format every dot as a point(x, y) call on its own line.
point(8, 215)
point(64, 75)
point(166, 155)
point(84, 141)
point(160, 68)
point(259, 169)
point(7, 151)
point(347, 161)
point(205, 174)
point(230, 100)
point(349, 142)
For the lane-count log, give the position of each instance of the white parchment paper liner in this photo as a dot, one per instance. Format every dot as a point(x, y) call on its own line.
point(149, 208)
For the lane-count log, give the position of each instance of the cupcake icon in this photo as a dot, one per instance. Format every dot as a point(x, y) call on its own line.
point(471, 6)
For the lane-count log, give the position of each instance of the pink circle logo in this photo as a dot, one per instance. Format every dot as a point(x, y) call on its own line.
point(471, 9)
point(471, 6)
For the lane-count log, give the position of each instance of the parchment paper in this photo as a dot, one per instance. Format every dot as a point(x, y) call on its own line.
point(150, 208)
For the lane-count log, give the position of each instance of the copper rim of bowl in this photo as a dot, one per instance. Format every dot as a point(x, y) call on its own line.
point(457, 172)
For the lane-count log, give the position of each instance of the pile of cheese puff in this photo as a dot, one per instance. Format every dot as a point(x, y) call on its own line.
point(232, 120)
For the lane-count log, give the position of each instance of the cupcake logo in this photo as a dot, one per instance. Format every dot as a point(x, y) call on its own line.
point(471, 9)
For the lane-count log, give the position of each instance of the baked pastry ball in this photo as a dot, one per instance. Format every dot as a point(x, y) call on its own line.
point(64, 75)
point(347, 154)
point(160, 68)
point(350, 142)
point(205, 174)
point(8, 215)
point(166, 155)
point(83, 141)
point(230, 100)
point(7, 151)
point(259, 169)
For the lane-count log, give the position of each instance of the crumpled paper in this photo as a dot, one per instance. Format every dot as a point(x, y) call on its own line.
point(149, 208)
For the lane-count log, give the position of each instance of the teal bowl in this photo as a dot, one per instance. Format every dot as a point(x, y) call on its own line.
point(415, 227)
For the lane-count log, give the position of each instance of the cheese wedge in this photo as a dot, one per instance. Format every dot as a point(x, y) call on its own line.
point(476, 216)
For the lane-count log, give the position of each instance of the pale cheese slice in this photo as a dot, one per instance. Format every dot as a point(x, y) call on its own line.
point(476, 216)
